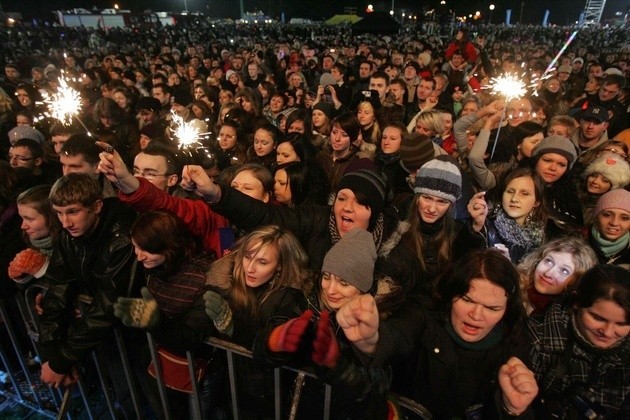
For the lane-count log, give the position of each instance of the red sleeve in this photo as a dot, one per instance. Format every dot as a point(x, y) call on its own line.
point(196, 214)
point(471, 53)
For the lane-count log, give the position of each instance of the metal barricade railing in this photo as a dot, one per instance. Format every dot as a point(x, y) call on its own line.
point(61, 402)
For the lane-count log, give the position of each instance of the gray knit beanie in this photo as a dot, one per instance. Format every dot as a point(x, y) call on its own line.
point(556, 144)
point(439, 177)
point(352, 258)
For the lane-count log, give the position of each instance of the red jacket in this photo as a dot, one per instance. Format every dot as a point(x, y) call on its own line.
point(197, 215)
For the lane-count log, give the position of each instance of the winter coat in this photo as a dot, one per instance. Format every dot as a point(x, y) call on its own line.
point(434, 369)
point(183, 323)
point(606, 372)
point(196, 214)
point(358, 389)
point(99, 266)
point(278, 307)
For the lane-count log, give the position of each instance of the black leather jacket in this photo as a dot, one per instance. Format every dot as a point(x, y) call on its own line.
point(97, 269)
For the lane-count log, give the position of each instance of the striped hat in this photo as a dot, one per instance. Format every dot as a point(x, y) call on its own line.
point(415, 151)
point(439, 177)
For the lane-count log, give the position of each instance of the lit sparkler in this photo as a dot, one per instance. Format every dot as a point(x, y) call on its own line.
point(64, 104)
point(555, 59)
point(187, 133)
point(509, 86)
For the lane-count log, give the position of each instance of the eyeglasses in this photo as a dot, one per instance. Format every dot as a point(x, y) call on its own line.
point(19, 158)
point(148, 174)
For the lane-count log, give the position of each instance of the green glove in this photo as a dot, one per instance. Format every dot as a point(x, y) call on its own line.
point(219, 312)
point(138, 313)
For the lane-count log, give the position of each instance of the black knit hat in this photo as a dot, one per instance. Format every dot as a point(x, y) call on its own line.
point(370, 184)
point(182, 97)
point(149, 103)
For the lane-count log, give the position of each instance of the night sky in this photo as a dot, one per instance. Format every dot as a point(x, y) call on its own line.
point(562, 11)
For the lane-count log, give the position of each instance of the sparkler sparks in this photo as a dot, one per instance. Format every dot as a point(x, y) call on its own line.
point(509, 86)
point(187, 134)
point(65, 104)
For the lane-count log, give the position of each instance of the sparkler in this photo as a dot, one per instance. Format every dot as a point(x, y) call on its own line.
point(65, 104)
point(186, 133)
point(510, 87)
point(555, 59)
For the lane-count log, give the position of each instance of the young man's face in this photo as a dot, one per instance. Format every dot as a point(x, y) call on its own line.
point(77, 163)
point(59, 141)
point(77, 219)
point(21, 157)
point(155, 170)
point(380, 85)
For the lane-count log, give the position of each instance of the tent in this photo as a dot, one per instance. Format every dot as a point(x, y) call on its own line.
point(337, 19)
point(376, 23)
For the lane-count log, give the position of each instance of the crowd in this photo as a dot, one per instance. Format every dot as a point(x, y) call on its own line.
point(363, 207)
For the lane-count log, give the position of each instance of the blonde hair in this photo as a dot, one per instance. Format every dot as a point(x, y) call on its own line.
point(432, 119)
point(290, 270)
point(583, 259)
point(376, 131)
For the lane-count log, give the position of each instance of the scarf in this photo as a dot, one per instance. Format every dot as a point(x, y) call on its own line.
point(486, 343)
point(539, 301)
point(43, 245)
point(377, 232)
point(529, 236)
point(381, 159)
point(610, 248)
point(176, 291)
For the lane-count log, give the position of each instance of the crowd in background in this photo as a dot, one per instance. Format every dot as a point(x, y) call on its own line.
point(364, 206)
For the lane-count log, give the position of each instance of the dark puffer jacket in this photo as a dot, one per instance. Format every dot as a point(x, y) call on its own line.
point(99, 267)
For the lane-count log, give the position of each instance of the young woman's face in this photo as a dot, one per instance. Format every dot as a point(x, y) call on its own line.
point(285, 153)
point(553, 273)
point(33, 222)
point(246, 104)
point(528, 144)
point(390, 140)
point(366, 116)
point(551, 167)
point(432, 208)
point(227, 138)
point(276, 104)
point(248, 184)
point(121, 100)
point(339, 139)
point(260, 264)
point(597, 184)
point(281, 188)
point(336, 292)
point(447, 118)
point(234, 79)
point(604, 324)
point(263, 143)
point(148, 259)
point(319, 118)
point(349, 213)
point(476, 313)
point(23, 97)
point(612, 224)
point(519, 198)
point(296, 126)
point(469, 108)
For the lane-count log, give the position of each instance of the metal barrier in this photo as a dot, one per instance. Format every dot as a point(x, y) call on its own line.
point(55, 404)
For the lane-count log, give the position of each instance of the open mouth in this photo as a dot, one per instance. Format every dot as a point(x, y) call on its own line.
point(470, 329)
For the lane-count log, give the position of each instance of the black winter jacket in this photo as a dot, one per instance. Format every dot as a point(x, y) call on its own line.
point(98, 267)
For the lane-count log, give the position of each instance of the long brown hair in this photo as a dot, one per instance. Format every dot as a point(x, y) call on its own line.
point(290, 271)
point(444, 238)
